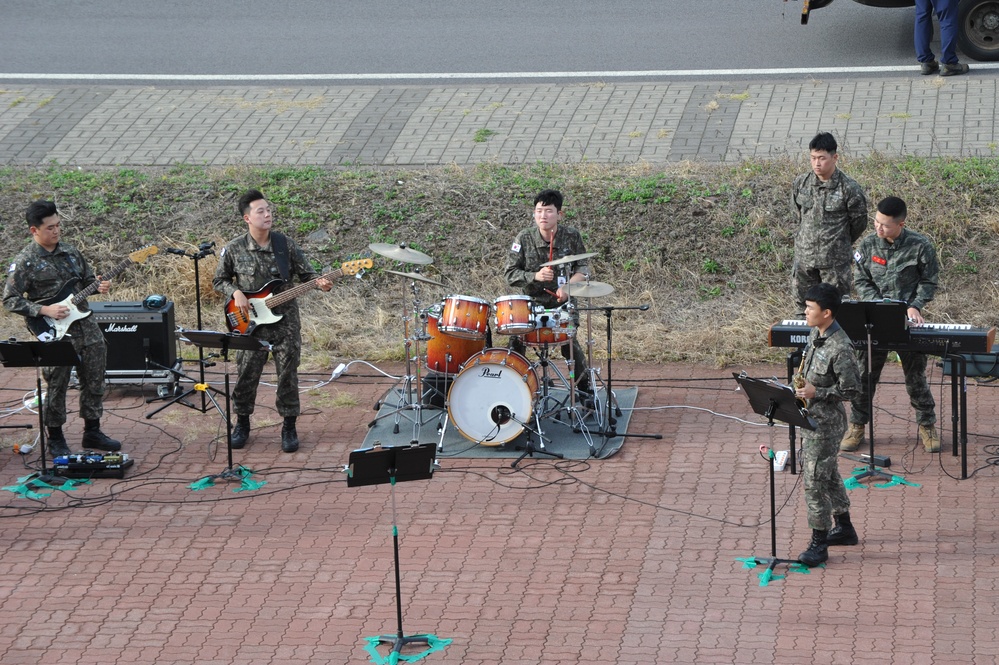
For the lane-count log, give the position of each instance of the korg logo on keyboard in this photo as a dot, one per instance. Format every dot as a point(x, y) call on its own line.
point(799, 339)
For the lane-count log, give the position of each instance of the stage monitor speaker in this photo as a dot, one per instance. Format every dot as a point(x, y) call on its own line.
point(133, 333)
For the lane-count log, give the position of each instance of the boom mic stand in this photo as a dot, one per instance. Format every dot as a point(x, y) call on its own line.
point(204, 249)
point(610, 423)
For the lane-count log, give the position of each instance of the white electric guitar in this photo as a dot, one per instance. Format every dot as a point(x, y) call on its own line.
point(48, 329)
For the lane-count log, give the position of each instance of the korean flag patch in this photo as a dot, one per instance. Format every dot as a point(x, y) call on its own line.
point(858, 257)
point(13, 266)
point(515, 247)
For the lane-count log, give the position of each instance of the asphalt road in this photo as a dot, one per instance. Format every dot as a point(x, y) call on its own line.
point(386, 37)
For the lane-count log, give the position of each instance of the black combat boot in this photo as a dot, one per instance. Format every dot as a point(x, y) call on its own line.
point(241, 432)
point(817, 551)
point(56, 442)
point(843, 533)
point(289, 437)
point(95, 439)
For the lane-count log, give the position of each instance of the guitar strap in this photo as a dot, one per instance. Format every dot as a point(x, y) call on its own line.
point(279, 245)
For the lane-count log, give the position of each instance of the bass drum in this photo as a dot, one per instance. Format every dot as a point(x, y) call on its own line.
point(493, 393)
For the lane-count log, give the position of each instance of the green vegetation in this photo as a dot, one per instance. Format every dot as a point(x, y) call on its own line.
point(708, 246)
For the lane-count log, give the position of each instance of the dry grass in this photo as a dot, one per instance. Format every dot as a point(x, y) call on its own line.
point(708, 248)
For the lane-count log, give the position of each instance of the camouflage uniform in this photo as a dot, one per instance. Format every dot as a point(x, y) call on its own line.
point(524, 259)
point(37, 275)
point(905, 270)
point(831, 366)
point(247, 267)
point(831, 216)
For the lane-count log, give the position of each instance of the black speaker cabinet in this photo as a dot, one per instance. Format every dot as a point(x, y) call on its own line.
point(134, 333)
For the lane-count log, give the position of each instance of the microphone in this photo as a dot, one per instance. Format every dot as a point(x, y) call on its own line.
point(174, 250)
point(500, 415)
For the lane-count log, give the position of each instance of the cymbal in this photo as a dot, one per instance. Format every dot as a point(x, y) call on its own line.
point(590, 289)
point(415, 276)
point(569, 259)
point(400, 253)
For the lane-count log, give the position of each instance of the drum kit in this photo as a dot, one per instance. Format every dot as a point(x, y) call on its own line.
point(489, 394)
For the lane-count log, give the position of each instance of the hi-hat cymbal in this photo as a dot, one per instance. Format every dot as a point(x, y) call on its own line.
point(572, 258)
point(415, 276)
point(400, 253)
point(590, 289)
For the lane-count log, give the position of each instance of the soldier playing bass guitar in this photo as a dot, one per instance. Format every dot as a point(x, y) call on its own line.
point(40, 274)
point(247, 264)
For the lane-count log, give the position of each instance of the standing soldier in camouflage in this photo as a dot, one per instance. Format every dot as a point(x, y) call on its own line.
point(38, 275)
point(832, 375)
point(899, 264)
point(831, 211)
point(246, 265)
point(542, 243)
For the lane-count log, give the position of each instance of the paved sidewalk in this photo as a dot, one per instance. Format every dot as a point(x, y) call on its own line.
point(426, 125)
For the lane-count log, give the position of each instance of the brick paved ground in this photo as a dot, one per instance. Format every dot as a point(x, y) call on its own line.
point(627, 560)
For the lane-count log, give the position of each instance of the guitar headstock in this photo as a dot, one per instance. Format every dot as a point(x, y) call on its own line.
point(140, 255)
point(353, 267)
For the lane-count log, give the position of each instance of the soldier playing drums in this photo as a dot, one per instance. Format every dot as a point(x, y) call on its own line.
point(544, 242)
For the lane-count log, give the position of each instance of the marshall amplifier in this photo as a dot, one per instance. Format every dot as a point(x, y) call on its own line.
point(134, 333)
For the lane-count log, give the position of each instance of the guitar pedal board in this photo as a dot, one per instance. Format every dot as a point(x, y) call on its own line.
point(92, 465)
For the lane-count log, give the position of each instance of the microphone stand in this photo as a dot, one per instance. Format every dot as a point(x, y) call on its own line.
point(610, 424)
point(204, 249)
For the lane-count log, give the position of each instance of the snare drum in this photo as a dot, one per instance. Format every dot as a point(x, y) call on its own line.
point(552, 328)
point(514, 315)
point(445, 353)
point(464, 316)
point(492, 395)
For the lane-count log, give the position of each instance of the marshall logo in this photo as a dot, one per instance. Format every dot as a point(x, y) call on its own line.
point(117, 328)
point(491, 375)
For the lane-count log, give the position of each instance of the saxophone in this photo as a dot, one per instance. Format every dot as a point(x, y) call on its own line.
point(798, 381)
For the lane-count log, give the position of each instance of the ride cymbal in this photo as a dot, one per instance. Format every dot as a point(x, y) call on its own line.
point(572, 258)
point(400, 253)
point(590, 289)
point(415, 276)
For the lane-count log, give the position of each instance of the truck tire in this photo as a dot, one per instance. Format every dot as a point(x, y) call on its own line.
point(978, 33)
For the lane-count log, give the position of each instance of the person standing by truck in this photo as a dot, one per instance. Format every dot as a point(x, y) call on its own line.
point(947, 13)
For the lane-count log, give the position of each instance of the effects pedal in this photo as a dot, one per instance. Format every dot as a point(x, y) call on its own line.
point(92, 465)
point(780, 459)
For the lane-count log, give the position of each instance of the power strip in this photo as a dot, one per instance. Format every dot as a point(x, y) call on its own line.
point(780, 459)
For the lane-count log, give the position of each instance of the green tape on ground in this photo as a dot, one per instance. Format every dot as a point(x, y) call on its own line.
point(897, 480)
point(434, 643)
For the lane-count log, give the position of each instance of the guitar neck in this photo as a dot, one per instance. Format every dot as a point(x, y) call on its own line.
point(287, 296)
point(92, 289)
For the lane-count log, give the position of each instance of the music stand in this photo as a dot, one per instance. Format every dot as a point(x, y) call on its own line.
point(874, 322)
point(773, 401)
point(38, 355)
point(379, 465)
point(225, 341)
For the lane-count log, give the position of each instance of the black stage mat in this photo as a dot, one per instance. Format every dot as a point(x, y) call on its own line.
point(474, 416)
